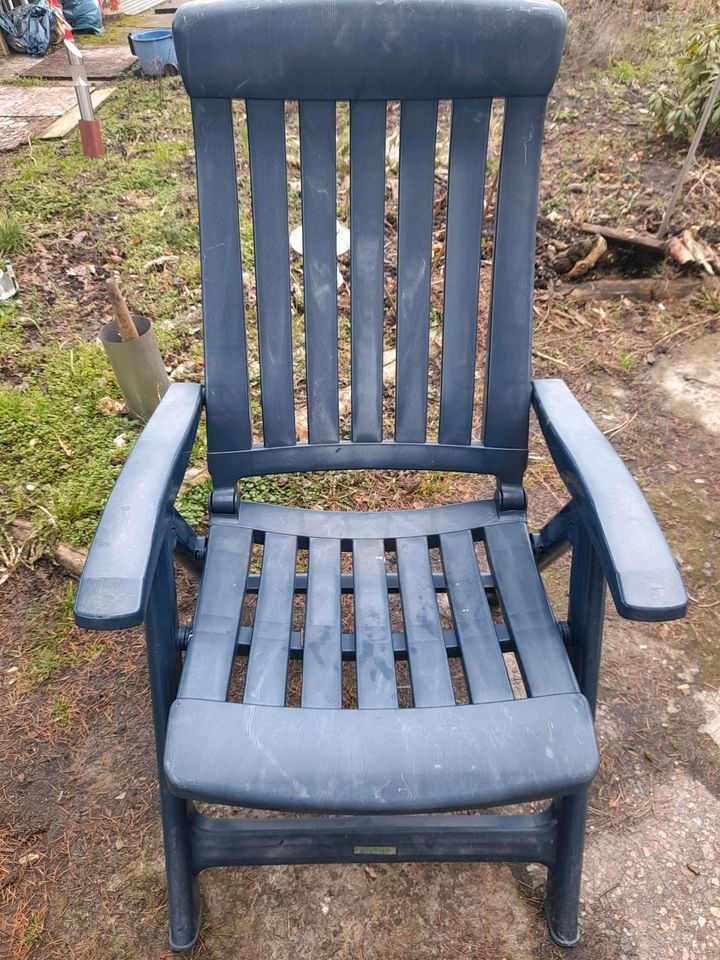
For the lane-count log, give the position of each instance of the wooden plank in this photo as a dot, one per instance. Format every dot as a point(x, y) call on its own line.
point(63, 125)
point(626, 238)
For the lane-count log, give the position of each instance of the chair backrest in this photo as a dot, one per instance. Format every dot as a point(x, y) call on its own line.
point(368, 52)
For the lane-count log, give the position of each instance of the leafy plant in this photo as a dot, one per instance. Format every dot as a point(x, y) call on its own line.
point(677, 110)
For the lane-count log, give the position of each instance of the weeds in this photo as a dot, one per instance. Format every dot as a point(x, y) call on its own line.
point(13, 239)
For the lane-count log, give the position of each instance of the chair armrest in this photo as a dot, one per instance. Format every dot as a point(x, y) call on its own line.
point(641, 572)
point(116, 579)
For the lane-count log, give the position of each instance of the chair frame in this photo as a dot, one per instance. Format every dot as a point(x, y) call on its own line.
point(129, 576)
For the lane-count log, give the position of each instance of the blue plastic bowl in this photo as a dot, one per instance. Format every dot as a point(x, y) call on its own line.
point(155, 51)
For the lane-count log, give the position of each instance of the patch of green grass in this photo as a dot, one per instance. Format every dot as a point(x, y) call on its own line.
point(60, 713)
point(628, 360)
point(50, 646)
point(59, 452)
point(32, 931)
point(13, 239)
point(707, 300)
point(115, 32)
point(627, 72)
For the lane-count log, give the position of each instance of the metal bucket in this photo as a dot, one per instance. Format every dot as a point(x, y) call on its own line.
point(138, 366)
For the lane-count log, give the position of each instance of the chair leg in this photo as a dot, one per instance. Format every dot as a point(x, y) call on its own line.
point(585, 619)
point(563, 885)
point(164, 667)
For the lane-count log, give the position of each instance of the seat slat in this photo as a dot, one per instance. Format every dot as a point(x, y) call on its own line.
point(466, 190)
point(507, 387)
point(485, 674)
point(418, 130)
point(374, 657)
point(228, 403)
point(216, 627)
point(268, 176)
point(429, 669)
point(322, 648)
point(270, 646)
point(542, 657)
point(319, 213)
point(367, 214)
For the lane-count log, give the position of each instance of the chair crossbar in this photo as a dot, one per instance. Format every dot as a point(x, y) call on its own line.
point(393, 583)
point(452, 647)
point(514, 838)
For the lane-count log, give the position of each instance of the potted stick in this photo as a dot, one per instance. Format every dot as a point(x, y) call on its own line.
point(135, 356)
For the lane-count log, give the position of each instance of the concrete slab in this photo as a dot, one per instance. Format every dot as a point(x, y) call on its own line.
point(691, 379)
point(35, 101)
point(25, 111)
point(17, 130)
point(101, 63)
point(653, 891)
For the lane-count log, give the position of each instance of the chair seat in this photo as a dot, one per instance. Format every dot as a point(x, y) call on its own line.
point(467, 736)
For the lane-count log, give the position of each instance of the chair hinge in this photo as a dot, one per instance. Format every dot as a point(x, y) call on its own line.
point(509, 497)
point(182, 637)
point(223, 500)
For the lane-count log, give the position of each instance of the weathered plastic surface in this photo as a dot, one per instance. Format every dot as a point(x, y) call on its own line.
point(115, 583)
point(361, 51)
point(375, 761)
point(640, 569)
point(466, 740)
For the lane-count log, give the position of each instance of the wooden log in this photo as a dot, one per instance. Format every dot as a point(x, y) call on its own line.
point(646, 289)
point(626, 238)
point(71, 559)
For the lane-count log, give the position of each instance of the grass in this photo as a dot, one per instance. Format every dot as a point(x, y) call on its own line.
point(13, 239)
point(115, 32)
point(61, 713)
point(51, 645)
point(58, 449)
point(32, 930)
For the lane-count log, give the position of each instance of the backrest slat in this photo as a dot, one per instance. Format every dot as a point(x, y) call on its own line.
point(227, 400)
point(507, 386)
point(268, 176)
point(367, 216)
point(463, 235)
point(319, 213)
point(418, 128)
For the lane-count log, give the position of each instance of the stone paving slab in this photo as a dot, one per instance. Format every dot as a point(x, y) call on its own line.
point(17, 130)
point(101, 63)
point(25, 111)
point(35, 101)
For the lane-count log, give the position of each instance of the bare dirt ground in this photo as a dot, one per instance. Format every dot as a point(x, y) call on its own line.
point(80, 856)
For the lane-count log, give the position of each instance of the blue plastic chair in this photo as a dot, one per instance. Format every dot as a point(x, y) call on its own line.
point(387, 771)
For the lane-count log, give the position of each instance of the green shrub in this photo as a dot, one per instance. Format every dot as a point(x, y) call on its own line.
point(678, 109)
